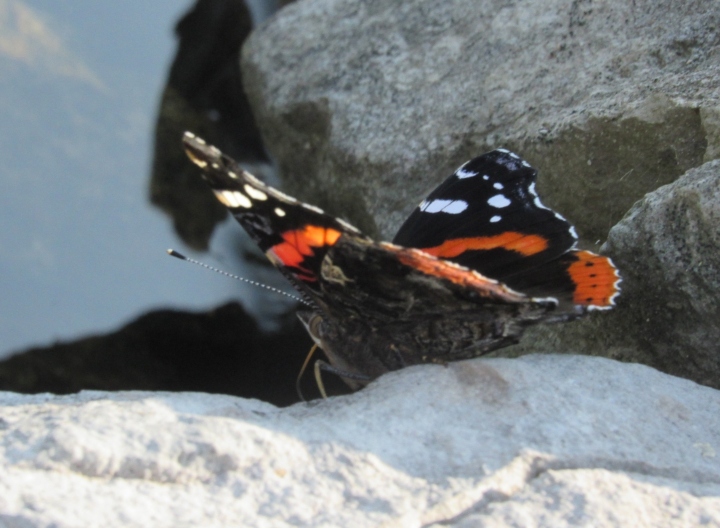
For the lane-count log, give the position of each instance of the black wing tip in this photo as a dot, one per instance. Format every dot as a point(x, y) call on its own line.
point(201, 153)
point(506, 158)
point(221, 172)
point(218, 170)
point(193, 142)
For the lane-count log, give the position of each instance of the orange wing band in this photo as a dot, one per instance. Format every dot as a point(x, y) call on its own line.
point(484, 286)
point(512, 241)
point(596, 280)
point(301, 243)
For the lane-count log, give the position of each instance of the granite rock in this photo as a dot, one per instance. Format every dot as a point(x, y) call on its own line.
point(368, 105)
point(543, 440)
point(669, 246)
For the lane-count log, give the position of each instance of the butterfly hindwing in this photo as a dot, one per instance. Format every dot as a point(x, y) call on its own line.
point(488, 217)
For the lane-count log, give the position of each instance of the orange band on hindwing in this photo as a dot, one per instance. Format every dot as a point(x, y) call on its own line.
point(596, 280)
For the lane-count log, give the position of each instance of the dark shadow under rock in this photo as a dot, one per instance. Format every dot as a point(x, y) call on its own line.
point(220, 351)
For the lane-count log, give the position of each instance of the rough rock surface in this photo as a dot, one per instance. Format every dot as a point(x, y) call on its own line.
point(668, 247)
point(379, 100)
point(673, 234)
point(541, 440)
point(220, 351)
point(367, 105)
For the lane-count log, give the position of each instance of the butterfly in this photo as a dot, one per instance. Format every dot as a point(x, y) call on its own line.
point(477, 261)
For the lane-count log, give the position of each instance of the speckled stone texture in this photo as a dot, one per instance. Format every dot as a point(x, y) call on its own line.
point(367, 105)
point(543, 440)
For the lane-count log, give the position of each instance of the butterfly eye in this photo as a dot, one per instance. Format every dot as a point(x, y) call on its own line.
point(313, 322)
point(315, 326)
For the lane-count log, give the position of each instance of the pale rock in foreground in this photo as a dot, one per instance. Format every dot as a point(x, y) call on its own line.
point(536, 441)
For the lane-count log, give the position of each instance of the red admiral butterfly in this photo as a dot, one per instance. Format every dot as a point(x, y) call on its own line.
point(479, 260)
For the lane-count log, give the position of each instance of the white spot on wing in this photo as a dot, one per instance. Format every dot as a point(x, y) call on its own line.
point(255, 194)
point(498, 186)
point(456, 207)
point(233, 199)
point(536, 198)
point(444, 206)
point(462, 173)
point(498, 201)
point(279, 212)
point(486, 177)
point(495, 219)
point(436, 206)
point(540, 205)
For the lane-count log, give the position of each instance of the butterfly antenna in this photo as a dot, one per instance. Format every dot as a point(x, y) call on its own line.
point(180, 256)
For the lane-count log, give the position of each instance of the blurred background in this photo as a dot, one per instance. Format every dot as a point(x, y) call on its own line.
point(94, 97)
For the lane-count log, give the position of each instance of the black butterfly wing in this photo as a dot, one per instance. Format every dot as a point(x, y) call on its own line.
point(488, 217)
point(295, 236)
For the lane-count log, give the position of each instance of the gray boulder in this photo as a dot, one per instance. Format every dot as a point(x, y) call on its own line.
point(543, 440)
point(368, 105)
point(669, 246)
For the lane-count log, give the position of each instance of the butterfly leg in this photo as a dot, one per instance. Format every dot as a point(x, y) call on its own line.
point(327, 367)
point(302, 371)
point(399, 357)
